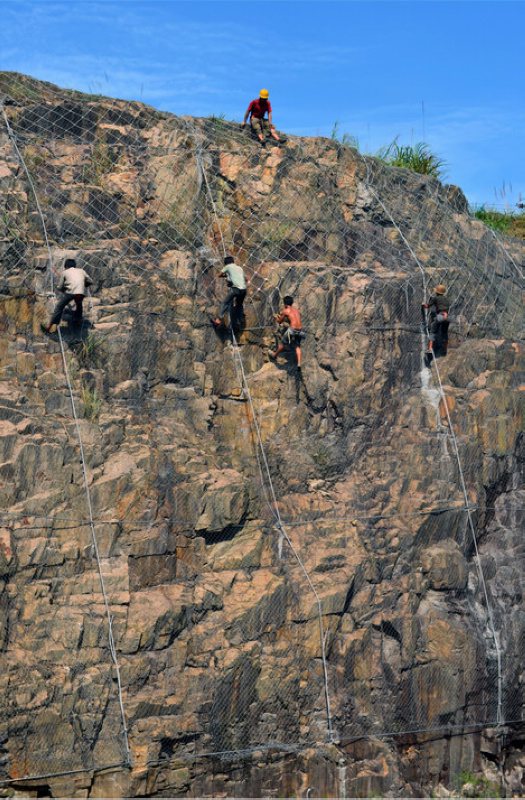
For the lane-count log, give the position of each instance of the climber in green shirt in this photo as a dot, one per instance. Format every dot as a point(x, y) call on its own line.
point(234, 300)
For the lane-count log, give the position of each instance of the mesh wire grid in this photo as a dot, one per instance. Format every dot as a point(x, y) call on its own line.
point(147, 200)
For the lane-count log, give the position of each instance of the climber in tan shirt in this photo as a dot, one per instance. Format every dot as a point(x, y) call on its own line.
point(73, 284)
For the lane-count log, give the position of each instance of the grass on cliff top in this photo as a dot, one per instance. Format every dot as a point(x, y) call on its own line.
point(416, 157)
point(419, 158)
point(506, 222)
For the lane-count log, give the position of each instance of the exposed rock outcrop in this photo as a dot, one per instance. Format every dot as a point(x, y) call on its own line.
point(390, 493)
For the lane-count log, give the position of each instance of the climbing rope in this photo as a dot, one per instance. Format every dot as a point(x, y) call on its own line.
point(463, 487)
point(274, 506)
point(82, 459)
point(467, 508)
point(184, 203)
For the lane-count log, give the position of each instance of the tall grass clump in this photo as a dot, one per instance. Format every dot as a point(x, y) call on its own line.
point(346, 138)
point(91, 403)
point(418, 158)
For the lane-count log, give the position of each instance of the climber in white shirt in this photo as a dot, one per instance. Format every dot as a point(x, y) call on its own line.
point(73, 284)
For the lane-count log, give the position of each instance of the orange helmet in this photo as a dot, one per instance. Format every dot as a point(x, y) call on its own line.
point(441, 289)
point(264, 94)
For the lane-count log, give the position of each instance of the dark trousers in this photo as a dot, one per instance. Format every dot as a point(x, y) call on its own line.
point(437, 329)
point(62, 303)
point(233, 302)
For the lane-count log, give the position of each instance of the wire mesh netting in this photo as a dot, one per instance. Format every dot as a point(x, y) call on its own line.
point(205, 552)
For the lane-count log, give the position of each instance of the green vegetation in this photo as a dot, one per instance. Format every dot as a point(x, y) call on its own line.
point(90, 350)
point(505, 222)
point(18, 89)
point(103, 160)
point(218, 126)
point(275, 235)
point(85, 96)
point(9, 229)
point(494, 219)
point(34, 159)
point(87, 352)
point(346, 139)
point(321, 458)
point(217, 120)
point(417, 157)
point(91, 403)
point(126, 226)
point(84, 356)
point(72, 369)
point(470, 786)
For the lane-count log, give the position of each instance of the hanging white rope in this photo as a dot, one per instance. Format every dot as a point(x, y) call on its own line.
point(83, 462)
point(278, 211)
point(274, 506)
point(463, 487)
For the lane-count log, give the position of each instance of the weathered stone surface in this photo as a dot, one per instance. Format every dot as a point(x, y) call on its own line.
point(214, 619)
point(445, 565)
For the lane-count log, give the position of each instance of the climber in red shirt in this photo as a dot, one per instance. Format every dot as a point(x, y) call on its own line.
point(256, 111)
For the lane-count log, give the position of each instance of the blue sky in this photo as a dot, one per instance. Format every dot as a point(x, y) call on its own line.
point(449, 72)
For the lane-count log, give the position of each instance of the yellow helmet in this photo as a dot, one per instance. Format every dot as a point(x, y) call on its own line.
point(264, 94)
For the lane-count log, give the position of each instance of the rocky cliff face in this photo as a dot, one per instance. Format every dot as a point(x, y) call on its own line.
point(312, 581)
